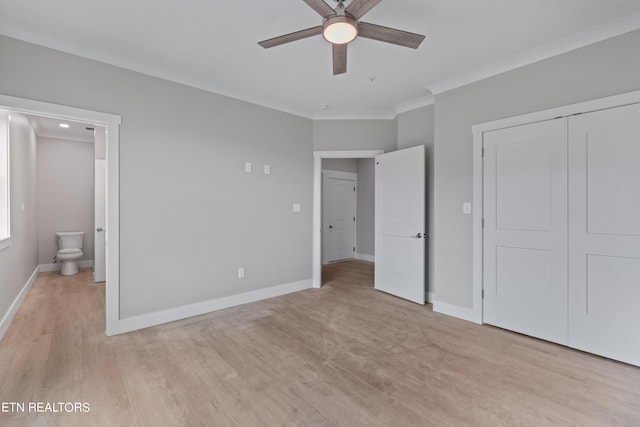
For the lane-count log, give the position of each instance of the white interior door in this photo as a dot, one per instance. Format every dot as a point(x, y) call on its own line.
point(525, 229)
point(99, 262)
point(339, 215)
point(400, 224)
point(604, 233)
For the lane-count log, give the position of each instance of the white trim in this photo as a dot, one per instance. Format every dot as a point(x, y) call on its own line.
point(478, 132)
point(357, 115)
point(566, 44)
point(563, 111)
point(112, 125)
point(457, 311)
point(196, 309)
point(414, 104)
point(15, 306)
point(476, 220)
point(83, 263)
point(316, 253)
point(365, 257)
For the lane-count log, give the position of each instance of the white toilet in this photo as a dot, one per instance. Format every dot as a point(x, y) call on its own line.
point(69, 250)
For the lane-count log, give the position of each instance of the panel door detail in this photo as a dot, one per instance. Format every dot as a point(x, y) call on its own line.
point(604, 233)
point(525, 216)
point(339, 214)
point(400, 224)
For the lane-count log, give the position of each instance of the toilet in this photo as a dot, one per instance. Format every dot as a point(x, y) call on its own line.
point(69, 250)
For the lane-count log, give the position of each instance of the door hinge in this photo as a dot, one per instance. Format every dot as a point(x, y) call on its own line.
point(354, 249)
point(482, 222)
point(354, 188)
point(482, 152)
point(354, 219)
point(483, 293)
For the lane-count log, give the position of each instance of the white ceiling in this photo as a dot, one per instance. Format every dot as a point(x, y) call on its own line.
point(212, 44)
point(49, 127)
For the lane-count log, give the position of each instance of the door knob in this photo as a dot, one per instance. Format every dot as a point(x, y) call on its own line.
point(418, 236)
point(331, 226)
point(99, 229)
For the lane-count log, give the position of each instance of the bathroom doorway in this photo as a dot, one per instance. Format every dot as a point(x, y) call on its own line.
point(110, 123)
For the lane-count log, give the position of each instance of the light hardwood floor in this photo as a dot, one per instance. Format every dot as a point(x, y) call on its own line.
point(341, 355)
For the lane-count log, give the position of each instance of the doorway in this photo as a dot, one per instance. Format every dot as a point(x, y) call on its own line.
point(317, 202)
point(111, 124)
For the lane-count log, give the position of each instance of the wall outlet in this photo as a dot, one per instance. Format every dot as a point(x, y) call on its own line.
point(296, 207)
point(241, 273)
point(267, 169)
point(247, 167)
point(466, 208)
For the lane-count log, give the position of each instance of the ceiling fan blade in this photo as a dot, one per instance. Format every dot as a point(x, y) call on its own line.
point(359, 7)
point(302, 34)
point(389, 35)
point(321, 7)
point(339, 59)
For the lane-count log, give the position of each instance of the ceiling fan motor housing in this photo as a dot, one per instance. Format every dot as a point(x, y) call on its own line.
point(347, 20)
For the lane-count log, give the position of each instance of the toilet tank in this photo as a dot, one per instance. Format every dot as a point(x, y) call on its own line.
point(70, 239)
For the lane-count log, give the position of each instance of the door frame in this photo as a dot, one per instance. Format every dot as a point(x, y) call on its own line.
point(476, 313)
point(350, 176)
point(316, 253)
point(112, 124)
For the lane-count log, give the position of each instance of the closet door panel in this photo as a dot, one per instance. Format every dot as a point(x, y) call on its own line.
point(525, 214)
point(604, 233)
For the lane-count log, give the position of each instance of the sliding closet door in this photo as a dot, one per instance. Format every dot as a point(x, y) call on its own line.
point(525, 231)
point(604, 233)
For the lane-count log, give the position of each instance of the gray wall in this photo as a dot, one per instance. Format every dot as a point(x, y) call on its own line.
point(366, 206)
point(606, 68)
point(65, 193)
point(417, 127)
point(354, 135)
point(342, 165)
point(19, 260)
point(189, 214)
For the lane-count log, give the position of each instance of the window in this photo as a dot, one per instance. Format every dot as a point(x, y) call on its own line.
point(4, 178)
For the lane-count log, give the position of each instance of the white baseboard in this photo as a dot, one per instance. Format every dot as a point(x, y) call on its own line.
point(159, 317)
point(365, 257)
point(84, 263)
point(13, 309)
point(463, 313)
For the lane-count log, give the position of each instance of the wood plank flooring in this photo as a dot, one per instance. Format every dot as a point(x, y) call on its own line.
point(342, 355)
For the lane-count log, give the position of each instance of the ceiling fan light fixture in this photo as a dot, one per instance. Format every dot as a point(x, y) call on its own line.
point(339, 29)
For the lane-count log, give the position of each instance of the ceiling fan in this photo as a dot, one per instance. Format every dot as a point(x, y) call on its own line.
point(341, 26)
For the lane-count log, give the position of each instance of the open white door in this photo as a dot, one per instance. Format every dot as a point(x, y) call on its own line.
point(400, 224)
point(99, 262)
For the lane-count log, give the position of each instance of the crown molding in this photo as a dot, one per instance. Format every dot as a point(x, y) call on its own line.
point(414, 104)
point(575, 41)
point(357, 115)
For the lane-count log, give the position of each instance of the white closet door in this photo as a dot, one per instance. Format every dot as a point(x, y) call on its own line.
point(604, 233)
point(525, 232)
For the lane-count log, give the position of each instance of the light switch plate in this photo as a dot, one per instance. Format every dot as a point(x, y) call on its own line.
point(466, 208)
point(247, 167)
point(267, 169)
point(241, 273)
point(296, 207)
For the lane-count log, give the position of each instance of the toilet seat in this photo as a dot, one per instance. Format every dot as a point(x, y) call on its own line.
point(70, 251)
